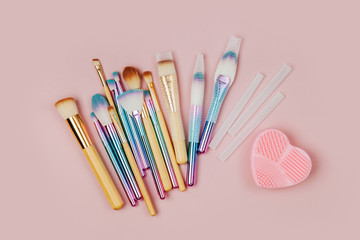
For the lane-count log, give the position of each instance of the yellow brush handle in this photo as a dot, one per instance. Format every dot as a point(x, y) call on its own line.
point(178, 138)
point(139, 179)
point(103, 177)
point(171, 152)
point(109, 97)
point(159, 160)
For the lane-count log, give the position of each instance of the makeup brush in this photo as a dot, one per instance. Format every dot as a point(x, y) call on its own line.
point(135, 131)
point(100, 108)
point(115, 162)
point(224, 77)
point(132, 102)
point(149, 81)
point(132, 161)
point(132, 79)
point(115, 91)
point(169, 85)
point(151, 110)
point(100, 72)
point(197, 97)
point(69, 111)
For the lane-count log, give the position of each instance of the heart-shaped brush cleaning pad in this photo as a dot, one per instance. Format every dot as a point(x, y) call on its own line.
point(276, 163)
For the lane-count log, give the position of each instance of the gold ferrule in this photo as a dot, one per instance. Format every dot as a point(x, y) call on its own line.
point(144, 112)
point(169, 87)
point(118, 128)
point(78, 128)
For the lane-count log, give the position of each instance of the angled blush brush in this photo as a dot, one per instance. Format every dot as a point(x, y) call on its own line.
point(68, 110)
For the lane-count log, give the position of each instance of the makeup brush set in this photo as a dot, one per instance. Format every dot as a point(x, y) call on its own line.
point(136, 137)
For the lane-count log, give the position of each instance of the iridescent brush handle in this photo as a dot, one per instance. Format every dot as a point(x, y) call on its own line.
point(131, 138)
point(155, 173)
point(139, 142)
point(119, 171)
point(123, 160)
point(221, 87)
point(154, 119)
point(194, 135)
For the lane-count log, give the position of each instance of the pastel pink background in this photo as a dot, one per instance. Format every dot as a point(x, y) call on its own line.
point(48, 190)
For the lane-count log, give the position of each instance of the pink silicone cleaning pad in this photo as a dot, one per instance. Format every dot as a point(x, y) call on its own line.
point(276, 163)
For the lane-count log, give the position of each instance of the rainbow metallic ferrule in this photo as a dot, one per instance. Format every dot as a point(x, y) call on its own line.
point(114, 160)
point(197, 97)
point(110, 129)
point(152, 112)
point(137, 118)
point(224, 77)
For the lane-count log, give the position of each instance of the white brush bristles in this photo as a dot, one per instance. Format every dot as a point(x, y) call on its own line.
point(100, 106)
point(228, 63)
point(164, 56)
point(165, 64)
point(67, 107)
point(131, 100)
point(197, 86)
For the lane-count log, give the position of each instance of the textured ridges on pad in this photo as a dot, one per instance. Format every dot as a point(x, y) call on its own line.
point(276, 163)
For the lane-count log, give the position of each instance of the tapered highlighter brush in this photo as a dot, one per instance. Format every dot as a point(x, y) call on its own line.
point(197, 98)
point(169, 85)
point(115, 90)
point(132, 102)
point(68, 110)
point(100, 108)
point(132, 161)
point(114, 160)
point(224, 77)
point(151, 110)
point(132, 79)
point(116, 77)
point(149, 81)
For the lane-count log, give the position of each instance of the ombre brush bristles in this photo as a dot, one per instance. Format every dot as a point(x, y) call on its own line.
point(131, 77)
point(112, 86)
point(67, 107)
point(100, 107)
point(148, 77)
point(132, 100)
point(197, 86)
point(224, 77)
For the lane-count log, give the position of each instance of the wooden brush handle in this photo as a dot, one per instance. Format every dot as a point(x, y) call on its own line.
point(171, 152)
point(103, 177)
point(178, 138)
point(159, 160)
point(139, 179)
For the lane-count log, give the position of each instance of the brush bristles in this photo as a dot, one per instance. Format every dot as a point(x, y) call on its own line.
point(131, 100)
point(67, 107)
point(164, 56)
point(116, 76)
point(197, 92)
point(93, 117)
point(96, 62)
point(111, 111)
point(131, 77)
point(199, 66)
point(228, 63)
point(147, 95)
point(166, 68)
point(111, 84)
point(99, 106)
point(148, 77)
